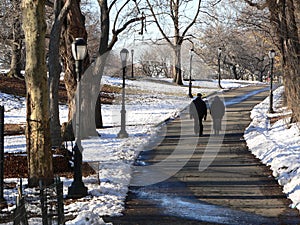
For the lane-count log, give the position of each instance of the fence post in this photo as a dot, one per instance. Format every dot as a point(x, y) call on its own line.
point(60, 201)
point(20, 214)
point(2, 200)
point(43, 198)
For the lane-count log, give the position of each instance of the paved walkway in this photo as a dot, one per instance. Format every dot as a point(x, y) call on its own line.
point(206, 180)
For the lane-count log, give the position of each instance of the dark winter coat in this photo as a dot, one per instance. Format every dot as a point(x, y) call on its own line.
point(198, 108)
point(217, 108)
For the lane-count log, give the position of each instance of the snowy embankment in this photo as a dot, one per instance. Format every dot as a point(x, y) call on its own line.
point(276, 142)
point(147, 104)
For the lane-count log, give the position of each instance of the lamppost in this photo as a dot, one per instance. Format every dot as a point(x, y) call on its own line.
point(123, 133)
point(132, 51)
point(190, 78)
point(77, 188)
point(219, 67)
point(271, 56)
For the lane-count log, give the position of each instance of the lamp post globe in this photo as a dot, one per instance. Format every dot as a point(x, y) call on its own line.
point(123, 133)
point(123, 56)
point(77, 188)
point(79, 49)
point(271, 56)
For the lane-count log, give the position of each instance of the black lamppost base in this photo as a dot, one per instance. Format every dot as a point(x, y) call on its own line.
point(271, 101)
point(77, 190)
point(190, 95)
point(123, 134)
point(3, 203)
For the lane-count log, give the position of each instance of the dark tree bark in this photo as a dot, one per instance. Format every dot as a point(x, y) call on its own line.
point(106, 46)
point(55, 69)
point(16, 42)
point(103, 50)
point(74, 27)
point(283, 19)
point(284, 15)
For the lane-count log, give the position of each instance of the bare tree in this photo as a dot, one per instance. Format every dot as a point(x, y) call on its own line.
point(155, 60)
point(284, 19)
point(241, 33)
point(38, 141)
point(73, 27)
point(125, 15)
point(175, 12)
point(12, 35)
point(54, 65)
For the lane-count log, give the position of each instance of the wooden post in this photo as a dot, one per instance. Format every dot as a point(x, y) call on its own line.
point(2, 200)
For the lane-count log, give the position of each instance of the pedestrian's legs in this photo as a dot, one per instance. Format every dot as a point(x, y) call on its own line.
point(196, 126)
point(214, 126)
point(217, 125)
point(201, 127)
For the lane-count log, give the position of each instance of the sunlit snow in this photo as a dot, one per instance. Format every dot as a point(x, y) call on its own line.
point(275, 144)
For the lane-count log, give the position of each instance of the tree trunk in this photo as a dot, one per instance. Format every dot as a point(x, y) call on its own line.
point(16, 53)
point(177, 43)
point(103, 49)
point(178, 72)
point(54, 76)
point(98, 114)
point(55, 69)
point(74, 27)
point(283, 19)
point(38, 143)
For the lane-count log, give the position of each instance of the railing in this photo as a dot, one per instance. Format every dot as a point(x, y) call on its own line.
point(50, 202)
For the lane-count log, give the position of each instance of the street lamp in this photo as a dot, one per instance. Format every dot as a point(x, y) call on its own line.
point(190, 78)
point(271, 56)
point(77, 188)
point(219, 67)
point(132, 51)
point(123, 133)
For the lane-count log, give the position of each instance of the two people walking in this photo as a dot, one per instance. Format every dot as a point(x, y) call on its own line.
point(198, 111)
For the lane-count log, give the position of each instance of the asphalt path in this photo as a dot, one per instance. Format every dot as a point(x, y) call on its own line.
point(180, 178)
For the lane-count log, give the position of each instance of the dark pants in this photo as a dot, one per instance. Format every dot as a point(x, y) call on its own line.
point(198, 126)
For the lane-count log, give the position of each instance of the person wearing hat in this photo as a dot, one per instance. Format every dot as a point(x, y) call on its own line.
point(198, 111)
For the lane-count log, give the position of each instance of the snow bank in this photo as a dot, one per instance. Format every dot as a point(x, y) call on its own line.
point(277, 144)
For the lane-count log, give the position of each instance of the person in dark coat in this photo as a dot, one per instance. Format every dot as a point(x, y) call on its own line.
point(217, 110)
point(198, 111)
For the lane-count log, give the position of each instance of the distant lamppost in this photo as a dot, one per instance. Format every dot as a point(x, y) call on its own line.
point(219, 67)
point(191, 69)
point(77, 188)
point(271, 56)
point(123, 133)
point(132, 52)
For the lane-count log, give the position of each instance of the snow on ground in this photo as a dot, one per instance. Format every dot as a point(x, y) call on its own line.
point(148, 103)
point(277, 144)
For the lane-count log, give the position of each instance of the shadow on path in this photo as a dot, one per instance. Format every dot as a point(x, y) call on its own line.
point(210, 180)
